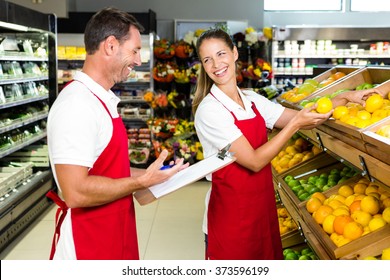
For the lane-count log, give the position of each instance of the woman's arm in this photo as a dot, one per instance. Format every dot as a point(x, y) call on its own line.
point(290, 121)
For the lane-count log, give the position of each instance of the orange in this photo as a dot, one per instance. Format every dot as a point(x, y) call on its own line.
point(374, 102)
point(355, 206)
point(320, 196)
point(339, 112)
point(321, 213)
point(353, 111)
point(316, 150)
point(370, 205)
point(313, 204)
point(345, 190)
point(338, 75)
point(327, 224)
point(324, 105)
point(360, 188)
point(353, 230)
point(340, 222)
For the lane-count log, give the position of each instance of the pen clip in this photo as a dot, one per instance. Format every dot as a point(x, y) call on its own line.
point(224, 152)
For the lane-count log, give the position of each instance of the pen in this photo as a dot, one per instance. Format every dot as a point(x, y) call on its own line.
point(167, 166)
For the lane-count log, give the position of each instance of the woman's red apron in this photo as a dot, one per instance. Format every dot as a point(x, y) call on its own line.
point(242, 216)
point(108, 231)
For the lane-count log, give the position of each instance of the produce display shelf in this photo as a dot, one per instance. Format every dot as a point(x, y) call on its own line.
point(355, 248)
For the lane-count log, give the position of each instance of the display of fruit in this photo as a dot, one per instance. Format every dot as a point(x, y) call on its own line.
point(303, 254)
point(308, 87)
point(305, 189)
point(356, 209)
point(376, 108)
point(286, 222)
point(297, 150)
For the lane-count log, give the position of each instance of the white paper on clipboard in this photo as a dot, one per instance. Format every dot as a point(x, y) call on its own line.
point(187, 176)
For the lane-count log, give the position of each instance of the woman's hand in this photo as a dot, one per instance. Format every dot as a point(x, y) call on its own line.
point(355, 96)
point(308, 118)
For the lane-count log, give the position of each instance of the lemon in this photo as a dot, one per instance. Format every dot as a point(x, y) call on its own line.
point(386, 214)
point(327, 224)
point(386, 254)
point(324, 105)
point(376, 223)
point(370, 258)
point(370, 204)
point(340, 111)
point(361, 217)
point(374, 102)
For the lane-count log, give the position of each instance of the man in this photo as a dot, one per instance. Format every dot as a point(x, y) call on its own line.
point(88, 148)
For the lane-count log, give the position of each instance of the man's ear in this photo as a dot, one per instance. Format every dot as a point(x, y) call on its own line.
point(110, 44)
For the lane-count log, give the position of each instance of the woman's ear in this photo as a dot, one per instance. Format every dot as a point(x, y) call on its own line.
point(235, 53)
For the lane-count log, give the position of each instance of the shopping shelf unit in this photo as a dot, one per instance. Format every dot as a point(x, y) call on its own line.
point(28, 87)
point(297, 51)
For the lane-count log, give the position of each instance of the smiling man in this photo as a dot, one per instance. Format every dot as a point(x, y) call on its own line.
point(88, 148)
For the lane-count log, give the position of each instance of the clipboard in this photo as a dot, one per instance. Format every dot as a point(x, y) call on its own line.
point(187, 176)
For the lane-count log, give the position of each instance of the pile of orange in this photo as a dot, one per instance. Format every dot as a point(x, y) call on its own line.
point(355, 210)
point(376, 108)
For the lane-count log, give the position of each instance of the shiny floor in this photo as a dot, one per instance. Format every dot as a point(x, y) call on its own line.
point(168, 229)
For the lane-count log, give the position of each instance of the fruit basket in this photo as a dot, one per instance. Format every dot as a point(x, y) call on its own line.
point(378, 145)
point(350, 132)
point(351, 222)
point(317, 84)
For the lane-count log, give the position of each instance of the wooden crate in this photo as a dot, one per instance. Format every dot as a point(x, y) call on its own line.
point(376, 145)
point(358, 248)
point(320, 164)
point(348, 70)
point(292, 237)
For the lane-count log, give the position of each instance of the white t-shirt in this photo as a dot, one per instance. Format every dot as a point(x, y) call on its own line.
point(78, 130)
point(215, 126)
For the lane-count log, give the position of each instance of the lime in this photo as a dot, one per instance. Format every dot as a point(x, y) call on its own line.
point(304, 257)
point(306, 251)
point(314, 189)
point(296, 189)
point(304, 196)
point(293, 183)
point(288, 178)
point(288, 250)
point(291, 256)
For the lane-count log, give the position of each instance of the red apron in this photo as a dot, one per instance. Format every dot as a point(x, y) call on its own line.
point(242, 216)
point(108, 231)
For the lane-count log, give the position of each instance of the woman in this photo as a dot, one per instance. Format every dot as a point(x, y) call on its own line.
point(242, 218)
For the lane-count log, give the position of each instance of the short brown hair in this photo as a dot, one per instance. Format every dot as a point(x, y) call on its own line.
point(108, 22)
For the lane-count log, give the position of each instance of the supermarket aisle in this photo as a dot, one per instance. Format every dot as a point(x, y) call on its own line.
point(168, 229)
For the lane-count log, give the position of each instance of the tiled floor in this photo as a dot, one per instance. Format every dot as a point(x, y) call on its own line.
point(168, 229)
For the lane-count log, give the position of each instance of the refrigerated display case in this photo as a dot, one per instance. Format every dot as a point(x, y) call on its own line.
point(28, 87)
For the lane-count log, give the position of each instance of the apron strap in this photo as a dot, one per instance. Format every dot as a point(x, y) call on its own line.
point(60, 216)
